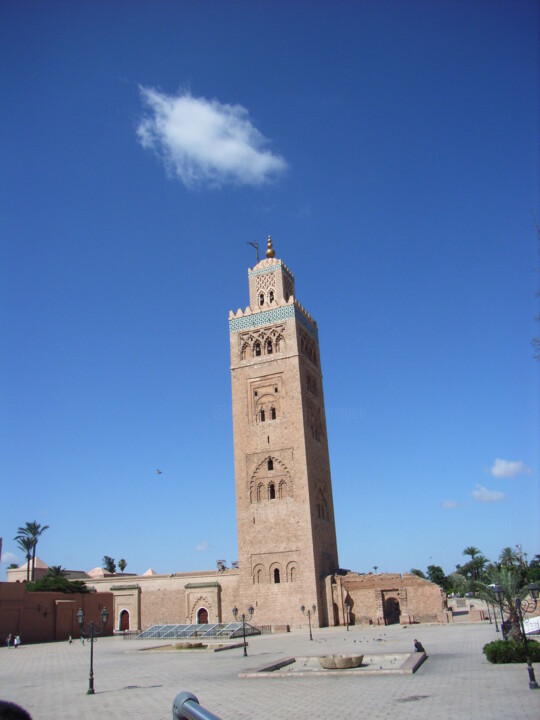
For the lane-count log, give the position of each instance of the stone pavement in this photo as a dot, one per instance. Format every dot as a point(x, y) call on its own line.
point(456, 681)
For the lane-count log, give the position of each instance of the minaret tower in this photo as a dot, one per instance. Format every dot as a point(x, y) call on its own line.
point(286, 530)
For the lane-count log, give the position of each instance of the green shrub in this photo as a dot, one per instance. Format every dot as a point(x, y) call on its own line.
point(509, 651)
point(49, 584)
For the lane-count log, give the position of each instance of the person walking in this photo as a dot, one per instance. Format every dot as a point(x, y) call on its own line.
point(8, 640)
point(17, 641)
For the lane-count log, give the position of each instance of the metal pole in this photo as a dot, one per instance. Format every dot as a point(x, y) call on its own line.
point(244, 631)
point(186, 707)
point(91, 678)
point(495, 618)
point(533, 685)
point(309, 620)
point(502, 620)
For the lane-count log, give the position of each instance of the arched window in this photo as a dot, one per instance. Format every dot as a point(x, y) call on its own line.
point(282, 490)
point(276, 576)
point(202, 616)
point(273, 413)
point(270, 464)
point(257, 349)
point(293, 574)
point(262, 416)
point(269, 348)
point(271, 296)
point(271, 491)
point(259, 492)
point(261, 298)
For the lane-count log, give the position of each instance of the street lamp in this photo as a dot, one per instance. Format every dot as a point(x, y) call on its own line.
point(91, 633)
point(499, 594)
point(347, 611)
point(313, 610)
point(525, 606)
point(235, 613)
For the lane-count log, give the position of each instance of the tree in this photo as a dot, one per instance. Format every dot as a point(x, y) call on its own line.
point(60, 584)
point(533, 570)
point(414, 571)
point(508, 557)
point(109, 564)
point(26, 544)
point(56, 571)
point(511, 581)
point(457, 583)
point(436, 575)
point(122, 565)
point(472, 551)
point(474, 569)
point(32, 530)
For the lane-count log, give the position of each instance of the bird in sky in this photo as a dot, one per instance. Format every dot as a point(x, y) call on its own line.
point(158, 471)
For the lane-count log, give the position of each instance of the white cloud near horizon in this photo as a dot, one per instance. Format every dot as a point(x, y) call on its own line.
point(509, 468)
point(202, 546)
point(483, 495)
point(205, 142)
point(450, 504)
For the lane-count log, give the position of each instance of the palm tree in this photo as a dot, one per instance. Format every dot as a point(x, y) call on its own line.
point(56, 571)
point(32, 530)
point(510, 580)
point(472, 551)
point(122, 565)
point(26, 544)
point(508, 557)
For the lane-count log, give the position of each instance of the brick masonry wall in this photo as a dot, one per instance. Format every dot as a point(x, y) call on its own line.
point(372, 597)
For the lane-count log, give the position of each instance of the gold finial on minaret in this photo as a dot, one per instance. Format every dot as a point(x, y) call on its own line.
point(270, 252)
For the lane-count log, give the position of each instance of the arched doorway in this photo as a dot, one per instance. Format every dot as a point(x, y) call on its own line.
point(391, 611)
point(124, 621)
point(202, 616)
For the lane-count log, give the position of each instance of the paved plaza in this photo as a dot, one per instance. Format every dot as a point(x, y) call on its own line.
point(456, 681)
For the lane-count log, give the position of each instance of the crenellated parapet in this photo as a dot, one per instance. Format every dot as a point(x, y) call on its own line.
point(271, 313)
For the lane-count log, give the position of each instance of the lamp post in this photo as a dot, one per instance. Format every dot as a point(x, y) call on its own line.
point(235, 613)
point(91, 633)
point(525, 606)
point(499, 594)
point(347, 611)
point(494, 616)
point(313, 610)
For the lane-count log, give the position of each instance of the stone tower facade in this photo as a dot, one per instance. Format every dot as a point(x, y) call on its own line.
point(286, 530)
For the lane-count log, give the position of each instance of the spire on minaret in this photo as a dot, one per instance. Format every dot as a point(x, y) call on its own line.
point(270, 252)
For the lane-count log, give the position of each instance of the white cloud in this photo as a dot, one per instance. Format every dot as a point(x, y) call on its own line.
point(202, 546)
point(204, 141)
point(8, 558)
point(450, 504)
point(482, 494)
point(509, 468)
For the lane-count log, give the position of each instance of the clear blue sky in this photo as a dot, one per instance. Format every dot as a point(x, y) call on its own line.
point(389, 148)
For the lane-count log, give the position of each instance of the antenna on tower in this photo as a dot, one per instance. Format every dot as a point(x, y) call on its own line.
point(256, 246)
